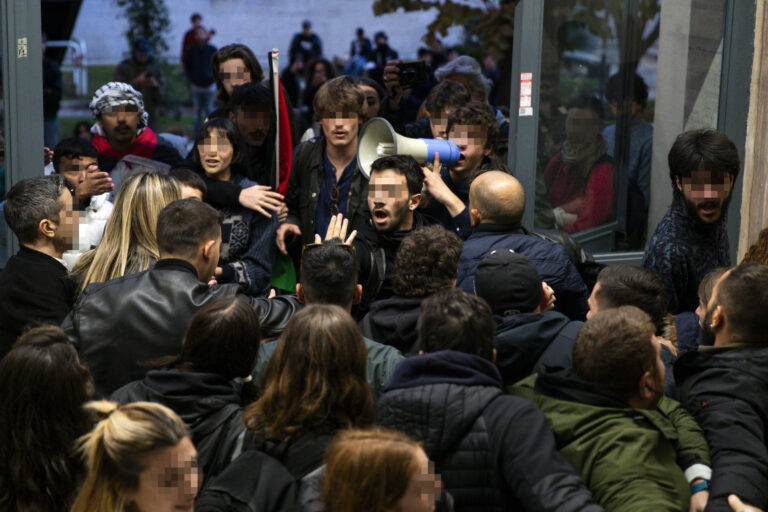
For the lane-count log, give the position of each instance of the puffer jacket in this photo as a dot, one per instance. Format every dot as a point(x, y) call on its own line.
point(118, 324)
point(494, 452)
point(725, 388)
point(528, 341)
point(631, 459)
point(550, 259)
point(208, 404)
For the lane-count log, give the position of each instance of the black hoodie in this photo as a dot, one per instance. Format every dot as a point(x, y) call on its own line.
point(209, 404)
point(526, 342)
point(368, 240)
point(494, 452)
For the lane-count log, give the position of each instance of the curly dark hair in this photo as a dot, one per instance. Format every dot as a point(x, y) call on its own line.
point(427, 261)
point(476, 113)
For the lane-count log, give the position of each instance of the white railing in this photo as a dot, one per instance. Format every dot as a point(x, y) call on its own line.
point(79, 63)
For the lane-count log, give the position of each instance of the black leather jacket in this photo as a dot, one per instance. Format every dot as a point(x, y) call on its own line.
point(140, 317)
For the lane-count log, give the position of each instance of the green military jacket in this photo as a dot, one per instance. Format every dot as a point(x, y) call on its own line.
point(629, 458)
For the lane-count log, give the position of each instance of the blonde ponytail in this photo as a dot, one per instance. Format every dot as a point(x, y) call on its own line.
point(115, 450)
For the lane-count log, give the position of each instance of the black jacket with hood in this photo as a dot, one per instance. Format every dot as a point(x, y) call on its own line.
point(376, 253)
point(393, 321)
point(494, 452)
point(528, 341)
point(208, 403)
point(725, 388)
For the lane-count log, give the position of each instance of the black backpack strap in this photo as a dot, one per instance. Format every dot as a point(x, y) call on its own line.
point(378, 266)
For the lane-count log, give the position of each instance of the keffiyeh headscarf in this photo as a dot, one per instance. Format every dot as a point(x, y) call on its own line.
point(117, 94)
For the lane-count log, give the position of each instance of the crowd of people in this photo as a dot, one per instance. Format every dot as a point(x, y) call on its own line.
point(198, 331)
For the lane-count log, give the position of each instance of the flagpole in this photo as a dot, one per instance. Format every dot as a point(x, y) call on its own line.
point(276, 96)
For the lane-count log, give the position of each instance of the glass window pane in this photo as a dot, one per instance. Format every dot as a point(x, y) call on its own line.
point(599, 82)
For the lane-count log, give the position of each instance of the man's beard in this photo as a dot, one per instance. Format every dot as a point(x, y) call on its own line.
point(396, 219)
point(693, 210)
point(707, 333)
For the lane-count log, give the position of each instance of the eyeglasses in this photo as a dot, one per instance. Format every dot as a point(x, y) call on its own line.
point(335, 196)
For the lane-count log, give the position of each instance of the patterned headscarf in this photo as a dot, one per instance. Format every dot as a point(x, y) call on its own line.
point(117, 94)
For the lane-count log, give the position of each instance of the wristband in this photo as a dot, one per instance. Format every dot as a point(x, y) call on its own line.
point(701, 486)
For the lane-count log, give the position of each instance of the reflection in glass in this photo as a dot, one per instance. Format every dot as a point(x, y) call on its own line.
point(594, 151)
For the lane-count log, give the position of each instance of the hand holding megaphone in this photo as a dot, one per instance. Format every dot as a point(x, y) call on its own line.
point(378, 139)
point(439, 191)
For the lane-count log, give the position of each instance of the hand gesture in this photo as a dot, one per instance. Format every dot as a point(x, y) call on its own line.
point(439, 191)
point(96, 182)
point(260, 198)
point(47, 156)
point(282, 232)
point(337, 228)
point(392, 83)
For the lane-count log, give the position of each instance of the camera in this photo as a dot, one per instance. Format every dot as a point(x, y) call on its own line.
point(413, 73)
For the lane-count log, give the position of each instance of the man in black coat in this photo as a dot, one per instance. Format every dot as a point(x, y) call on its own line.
point(529, 334)
point(494, 452)
point(426, 263)
point(34, 286)
point(136, 318)
point(725, 386)
point(394, 194)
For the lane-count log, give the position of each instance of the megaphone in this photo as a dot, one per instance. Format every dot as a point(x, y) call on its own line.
point(378, 139)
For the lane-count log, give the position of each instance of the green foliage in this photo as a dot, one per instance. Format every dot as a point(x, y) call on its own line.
point(149, 19)
point(490, 25)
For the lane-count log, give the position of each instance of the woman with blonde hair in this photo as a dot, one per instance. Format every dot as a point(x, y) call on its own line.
point(140, 459)
point(129, 244)
point(378, 471)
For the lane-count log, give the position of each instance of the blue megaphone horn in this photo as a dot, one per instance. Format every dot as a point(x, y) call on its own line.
point(378, 139)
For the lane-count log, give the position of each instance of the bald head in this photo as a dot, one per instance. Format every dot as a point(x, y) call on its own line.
point(496, 197)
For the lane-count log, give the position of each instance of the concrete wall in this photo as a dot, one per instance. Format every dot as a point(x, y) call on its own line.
point(260, 24)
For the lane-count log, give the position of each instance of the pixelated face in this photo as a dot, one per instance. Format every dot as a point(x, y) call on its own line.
point(340, 128)
point(66, 231)
point(188, 192)
point(471, 142)
point(120, 123)
point(423, 488)
point(706, 194)
point(73, 169)
point(233, 72)
point(372, 101)
point(582, 127)
point(439, 123)
point(254, 125)
point(389, 201)
point(592, 301)
point(216, 153)
point(170, 480)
